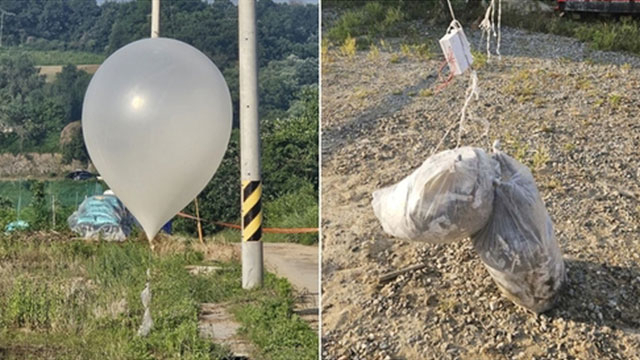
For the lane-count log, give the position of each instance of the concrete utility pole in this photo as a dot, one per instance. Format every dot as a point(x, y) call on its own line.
point(155, 18)
point(2, 14)
point(251, 194)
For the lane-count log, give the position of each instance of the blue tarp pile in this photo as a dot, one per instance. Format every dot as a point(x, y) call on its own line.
point(16, 226)
point(102, 217)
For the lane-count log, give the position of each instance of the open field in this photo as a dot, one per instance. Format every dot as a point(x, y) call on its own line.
point(568, 112)
point(55, 57)
point(73, 299)
point(50, 71)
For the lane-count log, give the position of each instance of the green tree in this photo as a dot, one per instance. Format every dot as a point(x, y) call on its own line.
point(75, 149)
point(70, 86)
point(33, 118)
point(290, 149)
point(18, 78)
point(220, 199)
point(53, 21)
point(38, 212)
point(281, 80)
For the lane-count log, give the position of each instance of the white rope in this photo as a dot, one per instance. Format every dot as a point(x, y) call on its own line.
point(145, 297)
point(487, 25)
point(499, 29)
point(471, 91)
point(453, 16)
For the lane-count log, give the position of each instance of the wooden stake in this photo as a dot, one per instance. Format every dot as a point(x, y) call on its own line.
point(199, 224)
point(394, 274)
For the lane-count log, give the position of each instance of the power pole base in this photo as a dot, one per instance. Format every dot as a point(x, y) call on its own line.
point(252, 275)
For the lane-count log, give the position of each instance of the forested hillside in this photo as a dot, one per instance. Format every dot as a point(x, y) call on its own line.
point(33, 112)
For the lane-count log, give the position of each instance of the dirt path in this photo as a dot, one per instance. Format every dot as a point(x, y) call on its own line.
point(299, 264)
point(569, 113)
point(218, 325)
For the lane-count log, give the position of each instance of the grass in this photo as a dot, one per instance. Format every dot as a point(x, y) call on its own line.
point(348, 47)
point(517, 148)
point(521, 86)
point(63, 299)
point(374, 19)
point(601, 34)
point(479, 59)
point(615, 100)
point(366, 22)
point(56, 57)
point(417, 51)
point(584, 84)
point(326, 57)
point(294, 210)
point(425, 93)
point(540, 158)
point(271, 327)
point(568, 147)
point(374, 52)
point(536, 159)
point(298, 209)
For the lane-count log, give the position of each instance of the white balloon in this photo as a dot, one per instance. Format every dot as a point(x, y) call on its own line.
point(156, 121)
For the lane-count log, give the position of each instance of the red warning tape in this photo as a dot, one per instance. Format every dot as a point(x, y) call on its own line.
point(266, 230)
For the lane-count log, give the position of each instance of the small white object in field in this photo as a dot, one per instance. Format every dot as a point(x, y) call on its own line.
point(147, 321)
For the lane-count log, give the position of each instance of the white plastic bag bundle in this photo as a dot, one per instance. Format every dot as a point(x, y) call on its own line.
point(517, 245)
point(147, 321)
point(449, 197)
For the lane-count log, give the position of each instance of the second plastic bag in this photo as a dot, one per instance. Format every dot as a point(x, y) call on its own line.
point(449, 197)
point(517, 245)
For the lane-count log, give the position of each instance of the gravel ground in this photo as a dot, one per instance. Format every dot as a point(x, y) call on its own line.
point(568, 112)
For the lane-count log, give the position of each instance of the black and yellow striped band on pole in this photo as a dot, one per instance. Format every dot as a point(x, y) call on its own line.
point(251, 210)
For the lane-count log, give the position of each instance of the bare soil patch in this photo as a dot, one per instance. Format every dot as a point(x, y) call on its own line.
point(569, 113)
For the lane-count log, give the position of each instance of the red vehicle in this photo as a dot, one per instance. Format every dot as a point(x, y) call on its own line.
point(600, 6)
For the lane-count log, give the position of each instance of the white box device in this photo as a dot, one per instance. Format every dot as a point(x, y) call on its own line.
point(456, 49)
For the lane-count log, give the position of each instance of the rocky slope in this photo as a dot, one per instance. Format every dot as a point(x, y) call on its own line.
point(569, 113)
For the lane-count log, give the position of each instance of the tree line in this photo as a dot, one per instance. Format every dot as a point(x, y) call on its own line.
point(36, 111)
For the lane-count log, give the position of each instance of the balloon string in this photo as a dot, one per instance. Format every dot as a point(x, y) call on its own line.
point(145, 297)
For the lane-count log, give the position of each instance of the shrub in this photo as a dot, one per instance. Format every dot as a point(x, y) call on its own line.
point(295, 210)
point(607, 35)
point(38, 214)
point(30, 304)
point(289, 162)
point(348, 47)
point(367, 20)
point(75, 149)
